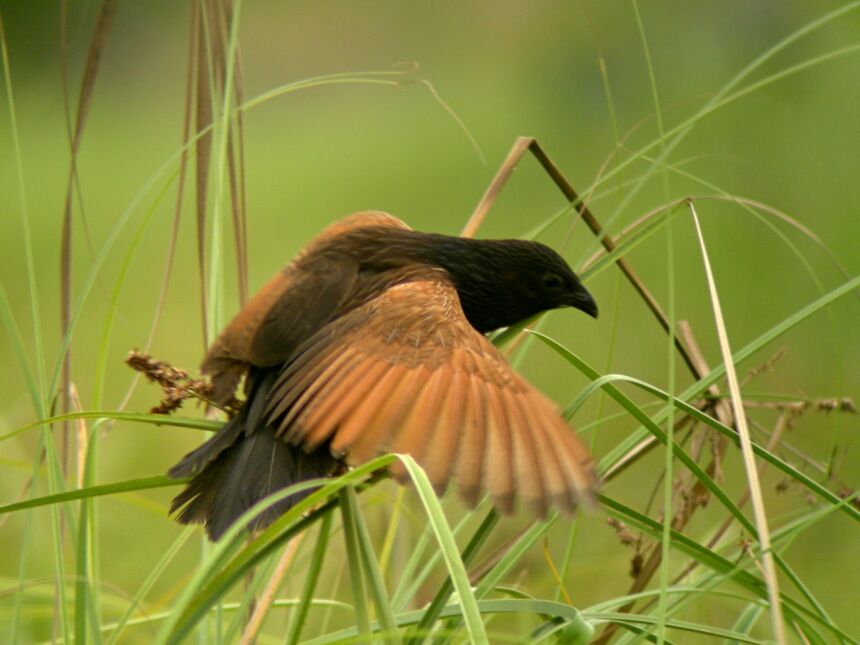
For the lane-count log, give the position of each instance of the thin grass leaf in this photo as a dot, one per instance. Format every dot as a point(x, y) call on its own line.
point(17, 342)
point(95, 269)
point(657, 219)
point(92, 491)
point(299, 616)
point(706, 481)
point(746, 621)
point(697, 414)
point(746, 444)
point(26, 536)
point(373, 574)
point(391, 531)
point(685, 626)
point(261, 585)
point(542, 607)
point(218, 573)
point(86, 601)
point(139, 417)
point(203, 145)
point(513, 556)
point(453, 562)
point(717, 563)
point(32, 287)
point(354, 561)
point(410, 581)
point(156, 617)
point(54, 477)
point(620, 601)
point(432, 613)
point(722, 98)
point(697, 388)
point(154, 575)
point(215, 282)
point(668, 462)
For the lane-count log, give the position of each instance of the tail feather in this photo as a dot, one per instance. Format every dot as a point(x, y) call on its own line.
point(196, 460)
point(243, 463)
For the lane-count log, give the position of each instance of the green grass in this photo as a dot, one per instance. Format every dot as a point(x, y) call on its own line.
point(355, 562)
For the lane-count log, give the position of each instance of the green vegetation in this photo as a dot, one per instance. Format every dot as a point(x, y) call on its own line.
point(159, 161)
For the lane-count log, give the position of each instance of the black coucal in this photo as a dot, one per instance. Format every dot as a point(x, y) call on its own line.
point(372, 340)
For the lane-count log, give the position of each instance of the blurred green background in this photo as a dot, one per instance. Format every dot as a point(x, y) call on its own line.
point(505, 69)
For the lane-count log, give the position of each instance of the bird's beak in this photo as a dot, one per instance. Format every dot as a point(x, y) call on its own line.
point(584, 301)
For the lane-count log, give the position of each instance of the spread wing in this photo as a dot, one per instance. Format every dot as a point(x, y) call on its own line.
point(405, 372)
point(288, 309)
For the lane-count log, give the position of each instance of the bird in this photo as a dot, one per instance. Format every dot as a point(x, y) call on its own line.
point(373, 340)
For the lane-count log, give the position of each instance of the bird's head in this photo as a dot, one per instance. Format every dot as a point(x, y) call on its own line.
point(501, 282)
point(546, 279)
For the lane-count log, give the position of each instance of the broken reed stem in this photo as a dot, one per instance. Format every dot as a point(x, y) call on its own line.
point(523, 144)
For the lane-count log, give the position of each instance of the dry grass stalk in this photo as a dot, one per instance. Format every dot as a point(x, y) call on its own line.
point(177, 386)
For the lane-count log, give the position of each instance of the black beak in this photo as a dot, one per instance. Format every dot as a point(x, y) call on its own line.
point(581, 299)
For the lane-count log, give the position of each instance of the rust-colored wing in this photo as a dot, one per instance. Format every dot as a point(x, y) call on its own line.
point(405, 372)
point(289, 308)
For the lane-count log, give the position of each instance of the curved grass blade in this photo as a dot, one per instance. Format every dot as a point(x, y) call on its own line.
point(758, 450)
point(456, 568)
point(156, 617)
point(297, 621)
point(137, 601)
point(354, 561)
point(410, 582)
point(759, 512)
point(503, 566)
point(432, 613)
point(140, 417)
point(697, 388)
point(717, 563)
point(93, 491)
point(218, 573)
point(374, 576)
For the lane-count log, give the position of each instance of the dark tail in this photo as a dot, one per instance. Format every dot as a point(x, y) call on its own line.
point(243, 463)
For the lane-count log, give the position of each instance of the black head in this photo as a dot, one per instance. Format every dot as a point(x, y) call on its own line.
point(501, 282)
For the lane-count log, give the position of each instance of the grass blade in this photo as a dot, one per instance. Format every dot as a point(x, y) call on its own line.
point(433, 611)
point(93, 491)
point(374, 576)
point(448, 546)
point(746, 445)
point(353, 559)
point(297, 622)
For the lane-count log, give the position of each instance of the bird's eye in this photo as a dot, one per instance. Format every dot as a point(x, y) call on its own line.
point(553, 282)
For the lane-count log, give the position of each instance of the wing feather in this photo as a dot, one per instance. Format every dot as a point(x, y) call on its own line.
point(470, 457)
point(405, 372)
point(554, 477)
point(449, 427)
point(499, 457)
point(364, 416)
point(289, 308)
point(376, 438)
point(529, 459)
point(333, 411)
point(418, 431)
point(573, 456)
point(331, 370)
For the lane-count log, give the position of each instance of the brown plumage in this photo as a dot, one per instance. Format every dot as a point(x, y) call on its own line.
point(371, 341)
